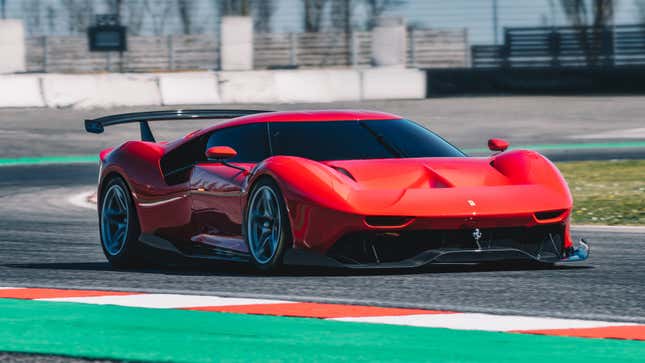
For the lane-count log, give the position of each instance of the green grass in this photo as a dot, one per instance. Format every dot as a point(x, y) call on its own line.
point(161, 335)
point(607, 192)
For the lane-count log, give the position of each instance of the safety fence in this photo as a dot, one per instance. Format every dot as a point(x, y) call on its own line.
point(427, 48)
point(555, 47)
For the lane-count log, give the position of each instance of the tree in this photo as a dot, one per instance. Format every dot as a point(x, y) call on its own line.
point(185, 9)
point(80, 14)
point(599, 16)
point(262, 11)
point(233, 7)
point(341, 11)
point(577, 13)
point(376, 8)
point(133, 16)
point(32, 16)
point(640, 5)
point(158, 11)
point(314, 10)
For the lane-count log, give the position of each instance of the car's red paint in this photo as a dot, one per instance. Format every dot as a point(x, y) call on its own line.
point(324, 204)
point(220, 153)
point(497, 145)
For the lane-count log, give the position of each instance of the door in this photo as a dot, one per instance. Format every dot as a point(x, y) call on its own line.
point(216, 189)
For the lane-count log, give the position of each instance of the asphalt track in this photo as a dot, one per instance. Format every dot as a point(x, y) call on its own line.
point(46, 241)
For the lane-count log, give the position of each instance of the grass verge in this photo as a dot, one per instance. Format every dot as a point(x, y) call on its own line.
point(607, 192)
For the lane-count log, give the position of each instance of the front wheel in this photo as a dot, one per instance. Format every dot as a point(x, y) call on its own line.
point(266, 226)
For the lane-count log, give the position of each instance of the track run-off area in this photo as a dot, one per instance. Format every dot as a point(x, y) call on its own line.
point(59, 297)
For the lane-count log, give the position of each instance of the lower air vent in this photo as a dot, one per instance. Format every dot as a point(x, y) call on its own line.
point(387, 221)
point(546, 215)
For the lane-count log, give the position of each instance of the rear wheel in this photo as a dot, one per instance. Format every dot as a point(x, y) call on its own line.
point(119, 225)
point(266, 227)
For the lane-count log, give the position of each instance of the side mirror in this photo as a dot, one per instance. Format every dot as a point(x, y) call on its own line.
point(497, 145)
point(220, 153)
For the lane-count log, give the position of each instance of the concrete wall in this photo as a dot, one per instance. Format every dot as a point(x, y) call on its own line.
point(280, 86)
point(236, 42)
point(12, 46)
point(389, 42)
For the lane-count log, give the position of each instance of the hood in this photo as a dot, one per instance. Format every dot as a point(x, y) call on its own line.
point(419, 173)
point(462, 186)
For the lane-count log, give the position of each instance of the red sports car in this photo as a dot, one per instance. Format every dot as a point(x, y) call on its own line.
point(340, 188)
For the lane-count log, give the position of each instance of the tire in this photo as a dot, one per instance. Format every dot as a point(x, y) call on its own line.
point(119, 225)
point(266, 225)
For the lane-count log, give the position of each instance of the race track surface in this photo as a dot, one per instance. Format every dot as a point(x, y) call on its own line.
point(46, 241)
point(467, 122)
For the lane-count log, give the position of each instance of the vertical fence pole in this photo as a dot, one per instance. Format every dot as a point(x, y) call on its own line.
point(495, 21)
point(467, 49)
point(608, 47)
point(293, 44)
point(554, 47)
point(45, 54)
point(218, 47)
point(506, 49)
point(354, 49)
point(171, 53)
point(413, 48)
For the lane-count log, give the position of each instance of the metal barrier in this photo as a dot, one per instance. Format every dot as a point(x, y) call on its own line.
point(554, 47)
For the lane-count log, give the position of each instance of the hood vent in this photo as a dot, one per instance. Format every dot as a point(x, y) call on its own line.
point(548, 215)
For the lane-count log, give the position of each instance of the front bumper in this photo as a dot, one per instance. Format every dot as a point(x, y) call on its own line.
point(550, 250)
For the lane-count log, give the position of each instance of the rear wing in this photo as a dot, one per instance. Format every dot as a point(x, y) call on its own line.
point(97, 125)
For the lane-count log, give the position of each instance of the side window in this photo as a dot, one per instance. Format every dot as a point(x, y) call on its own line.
point(250, 142)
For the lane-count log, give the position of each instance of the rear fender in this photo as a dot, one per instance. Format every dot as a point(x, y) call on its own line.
point(137, 163)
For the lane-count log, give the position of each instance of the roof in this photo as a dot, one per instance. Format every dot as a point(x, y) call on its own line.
point(293, 116)
point(306, 116)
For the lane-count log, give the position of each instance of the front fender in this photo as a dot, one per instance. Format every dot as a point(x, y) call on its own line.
point(315, 196)
point(530, 167)
point(306, 180)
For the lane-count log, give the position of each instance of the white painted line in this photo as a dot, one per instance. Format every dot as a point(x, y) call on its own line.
point(488, 322)
point(604, 228)
point(81, 200)
point(166, 301)
point(10, 288)
point(637, 133)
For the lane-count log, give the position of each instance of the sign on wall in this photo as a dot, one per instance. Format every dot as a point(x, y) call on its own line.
point(107, 35)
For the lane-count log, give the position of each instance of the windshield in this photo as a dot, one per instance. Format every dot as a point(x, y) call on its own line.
point(347, 140)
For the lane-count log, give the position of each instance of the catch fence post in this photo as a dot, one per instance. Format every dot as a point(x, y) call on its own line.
point(171, 53)
point(293, 44)
point(413, 49)
point(45, 54)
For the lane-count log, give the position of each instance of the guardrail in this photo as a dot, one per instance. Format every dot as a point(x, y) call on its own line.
point(554, 47)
